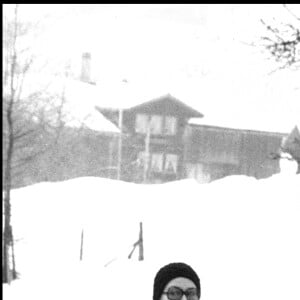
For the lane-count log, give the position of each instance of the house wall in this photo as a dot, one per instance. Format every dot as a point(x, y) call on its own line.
point(135, 142)
point(256, 151)
point(214, 152)
point(132, 171)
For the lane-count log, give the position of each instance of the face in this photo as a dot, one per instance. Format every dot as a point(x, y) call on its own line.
point(181, 282)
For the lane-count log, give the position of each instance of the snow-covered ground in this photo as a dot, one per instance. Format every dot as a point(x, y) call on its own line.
point(239, 233)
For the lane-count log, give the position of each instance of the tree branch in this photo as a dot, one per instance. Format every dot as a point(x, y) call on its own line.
point(291, 13)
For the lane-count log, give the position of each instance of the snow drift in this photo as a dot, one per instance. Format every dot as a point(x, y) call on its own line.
point(239, 233)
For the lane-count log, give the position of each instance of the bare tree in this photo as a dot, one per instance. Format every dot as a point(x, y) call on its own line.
point(9, 99)
point(282, 41)
point(27, 118)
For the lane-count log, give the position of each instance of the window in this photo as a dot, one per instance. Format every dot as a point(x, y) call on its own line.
point(141, 123)
point(170, 125)
point(171, 163)
point(141, 159)
point(156, 124)
point(157, 162)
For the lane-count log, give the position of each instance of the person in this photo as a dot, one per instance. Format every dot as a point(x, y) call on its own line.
point(176, 281)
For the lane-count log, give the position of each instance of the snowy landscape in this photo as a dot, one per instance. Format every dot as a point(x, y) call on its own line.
point(239, 233)
point(72, 238)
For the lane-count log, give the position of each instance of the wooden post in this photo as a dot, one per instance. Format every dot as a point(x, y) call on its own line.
point(147, 154)
point(141, 244)
point(110, 157)
point(120, 144)
point(81, 246)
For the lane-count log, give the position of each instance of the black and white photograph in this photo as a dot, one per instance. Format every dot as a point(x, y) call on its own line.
point(151, 151)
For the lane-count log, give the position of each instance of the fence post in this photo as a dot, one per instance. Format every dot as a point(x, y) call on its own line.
point(141, 246)
point(139, 243)
point(81, 245)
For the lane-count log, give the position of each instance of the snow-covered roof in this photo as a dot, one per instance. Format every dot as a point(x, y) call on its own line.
point(77, 100)
point(124, 95)
point(80, 103)
point(82, 98)
point(253, 110)
point(251, 123)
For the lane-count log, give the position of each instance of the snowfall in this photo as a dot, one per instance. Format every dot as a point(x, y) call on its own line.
point(240, 234)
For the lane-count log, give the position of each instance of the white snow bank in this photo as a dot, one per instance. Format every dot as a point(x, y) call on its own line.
point(239, 233)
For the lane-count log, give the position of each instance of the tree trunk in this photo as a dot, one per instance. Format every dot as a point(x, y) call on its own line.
point(7, 243)
point(14, 271)
point(6, 272)
point(7, 210)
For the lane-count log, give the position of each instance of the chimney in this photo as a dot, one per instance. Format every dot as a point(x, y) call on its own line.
point(86, 67)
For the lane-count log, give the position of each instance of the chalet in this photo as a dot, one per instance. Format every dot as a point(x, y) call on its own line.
point(118, 132)
point(159, 144)
point(153, 138)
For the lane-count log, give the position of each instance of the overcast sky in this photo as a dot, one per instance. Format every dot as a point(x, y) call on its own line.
point(199, 53)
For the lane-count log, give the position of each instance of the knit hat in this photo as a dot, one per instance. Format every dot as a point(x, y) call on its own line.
point(171, 271)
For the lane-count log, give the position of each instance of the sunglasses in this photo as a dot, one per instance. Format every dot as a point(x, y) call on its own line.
point(176, 293)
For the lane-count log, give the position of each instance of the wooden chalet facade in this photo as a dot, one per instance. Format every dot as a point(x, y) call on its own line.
point(214, 152)
point(153, 139)
point(159, 145)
